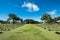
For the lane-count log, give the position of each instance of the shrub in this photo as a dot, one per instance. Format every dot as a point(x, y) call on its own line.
point(49, 30)
point(57, 32)
point(1, 32)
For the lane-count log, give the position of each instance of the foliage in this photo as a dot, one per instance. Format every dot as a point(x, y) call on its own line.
point(30, 21)
point(13, 17)
point(51, 21)
point(3, 22)
point(46, 17)
point(57, 18)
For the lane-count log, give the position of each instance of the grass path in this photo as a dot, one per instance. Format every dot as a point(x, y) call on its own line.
point(29, 32)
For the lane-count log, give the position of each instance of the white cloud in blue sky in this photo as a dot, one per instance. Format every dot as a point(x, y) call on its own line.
point(53, 12)
point(31, 6)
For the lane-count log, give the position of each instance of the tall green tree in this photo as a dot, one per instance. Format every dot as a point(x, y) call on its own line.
point(46, 17)
point(13, 17)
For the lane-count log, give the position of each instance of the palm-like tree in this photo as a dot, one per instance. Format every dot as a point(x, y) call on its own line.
point(13, 17)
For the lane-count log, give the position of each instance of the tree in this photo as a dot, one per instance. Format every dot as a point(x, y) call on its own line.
point(21, 20)
point(50, 21)
point(30, 21)
point(17, 18)
point(57, 19)
point(1, 21)
point(13, 17)
point(46, 17)
point(27, 21)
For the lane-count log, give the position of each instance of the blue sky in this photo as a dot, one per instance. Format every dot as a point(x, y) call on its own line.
point(29, 9)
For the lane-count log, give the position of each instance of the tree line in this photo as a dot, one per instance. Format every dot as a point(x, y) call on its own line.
point(46, 18)
point(12, 18)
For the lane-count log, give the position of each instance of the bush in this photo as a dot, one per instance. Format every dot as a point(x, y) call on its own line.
point(44, 28)
point(1, 32)
point(57, 32)
point(49, 30)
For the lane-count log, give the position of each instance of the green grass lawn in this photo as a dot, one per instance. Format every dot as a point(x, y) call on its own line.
point(29, 32)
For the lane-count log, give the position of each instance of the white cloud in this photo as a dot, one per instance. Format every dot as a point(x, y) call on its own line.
point(31, 7)
point(52, 12)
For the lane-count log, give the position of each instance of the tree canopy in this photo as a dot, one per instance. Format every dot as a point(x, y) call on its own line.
point(13, 17)
point(30, 21)
point(46, 17)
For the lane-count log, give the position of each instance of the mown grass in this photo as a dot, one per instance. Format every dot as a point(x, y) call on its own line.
point(29, 32)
